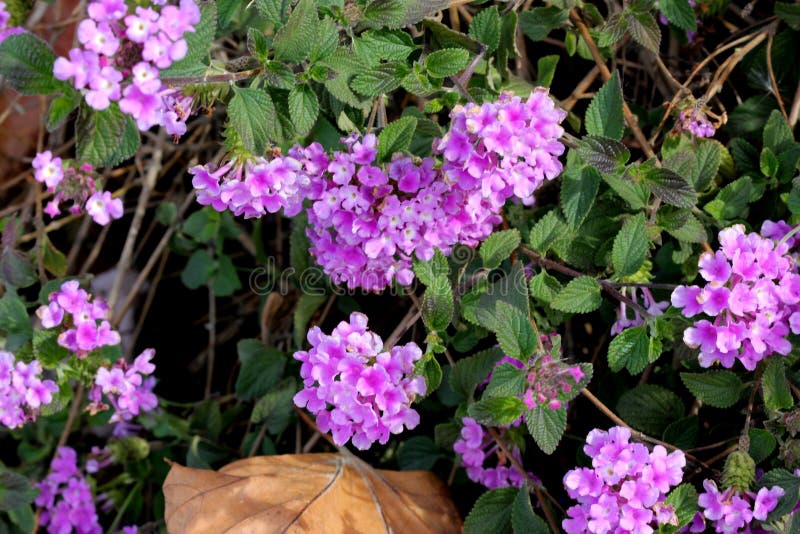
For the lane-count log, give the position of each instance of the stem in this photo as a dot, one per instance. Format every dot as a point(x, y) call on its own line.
point(630, 118)
point(73, 414)
point(310, 422)
point(772, 79)
point(607, 286)
point(744, 440)
point(635, 433)
point(213, 78)
point(212, 337)
point(789, 235)
point(412, 316)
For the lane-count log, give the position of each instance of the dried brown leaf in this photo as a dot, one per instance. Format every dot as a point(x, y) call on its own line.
point(331, 493)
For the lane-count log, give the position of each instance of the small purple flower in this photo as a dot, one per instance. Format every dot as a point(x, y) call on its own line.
point(48, 170)
point(103, 208)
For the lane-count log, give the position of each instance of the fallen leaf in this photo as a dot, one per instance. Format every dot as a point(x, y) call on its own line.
point(324, 492)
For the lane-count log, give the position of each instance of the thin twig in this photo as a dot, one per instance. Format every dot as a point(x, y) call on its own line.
point(630, 118)
point(772, 80)
point(639, 435)
point(412, 316)
point(794, 114)
point(74, 409)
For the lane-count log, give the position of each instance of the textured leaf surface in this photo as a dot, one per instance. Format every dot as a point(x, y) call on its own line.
point(581, 295)
point(630, 246)
point(306, 493)
point(604, 114)
point(546, 426)
point(26, 64)
point(720, 389)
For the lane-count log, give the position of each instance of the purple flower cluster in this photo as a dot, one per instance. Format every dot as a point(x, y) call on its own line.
point(753, 294)
point(127, 387)
point(356, 389)
point(119, 46)
point(653, 307)
point(368, 221)
point(76, 185)
point(22, 391)
point(625, 489)
point(66, 497)
point(85, 319)
point(695, 122)
point(476, 446)
point(733, 511)
point(255, 187)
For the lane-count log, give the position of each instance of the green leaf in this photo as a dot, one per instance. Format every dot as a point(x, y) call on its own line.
point(708, 158)
point(375, 46)
point(635, 194)
point(492, 512)
point(578, 191)
point(326, 41)
point(630, 246)
point(486, 28)
point(303, 108)
point(538, 22)
point(544, 287)
point(226, 279)
point(274, 11)
point(203, 225)
point(381, 79)
point(417, 452)
point(307, 304)
point(523, 520)
point(15, 491)
point(546, 426)
point(47, 350)
point(720, 389)
point(127, 144)
point(61, 107)
point(444, 37)
point(672, 188)
point(498, 247)
point(14, 321)
point(603, 153)
point(472, 370)
point(428, 271)
point(507, 381)
point(497, 411)
point(275, 408)
point(26, 65)
point(199, 269)
point(630, 349)
point(762, 443)
point(604, 114)
point(778, 135)
point(650, 408)
point(546, 70)
point(789, 13)
point(791, 487)
point(731, 202)
point(396, 137)
point(680, 13)
point(447, 62)
point(98, 134)
point(644, 30)
point(295, 40)
point(581, 295)
point(546, 231)
point(684, 499)
point(775, 386)
point(683, 432)
point(261, 368)
point(430, 369)
point(16, 270)
point(250, 112)
point(505, 310)
point(198, 44)
point(383, 13)
point(437, 304)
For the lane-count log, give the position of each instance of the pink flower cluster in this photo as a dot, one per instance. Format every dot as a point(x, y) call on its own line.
point(256, 187)
point(367, 221)
point(625, 489)
point(127, 387)
point(476, 446)
point(549, 380)
point(74, 308)
point(66, 498)
point(649, 303)
point(695, 122)
point(76, 185)
point(732, 511)
point(119, 46)
point(753, 294)
point(356, 389)
point(22, 391)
